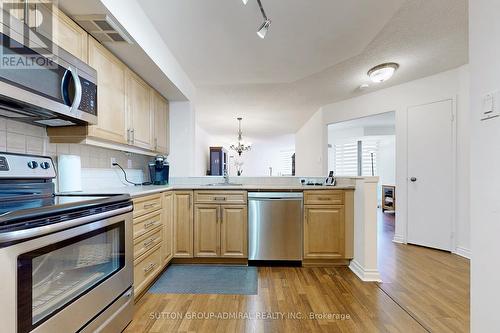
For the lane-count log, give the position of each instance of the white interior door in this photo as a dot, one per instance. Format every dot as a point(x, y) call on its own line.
point(430, 174)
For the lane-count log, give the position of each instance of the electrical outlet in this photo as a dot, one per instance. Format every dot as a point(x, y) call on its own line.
point(113, 160)
point(129, 164)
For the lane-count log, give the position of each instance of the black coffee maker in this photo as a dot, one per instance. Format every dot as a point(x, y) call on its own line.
point(158, 170)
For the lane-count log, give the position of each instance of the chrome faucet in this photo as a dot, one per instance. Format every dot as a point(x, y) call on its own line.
point(226, 176)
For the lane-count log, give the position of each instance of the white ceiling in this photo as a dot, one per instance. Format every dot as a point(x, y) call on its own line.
point(316, 52)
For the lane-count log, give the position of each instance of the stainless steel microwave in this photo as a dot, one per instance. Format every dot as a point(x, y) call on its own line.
point(41, 83)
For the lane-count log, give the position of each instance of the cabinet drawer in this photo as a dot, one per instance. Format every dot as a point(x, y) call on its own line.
point(147, 242)
point(148, 204)
point(147, 223)
point(323, 197)
point(223, 197)
point(146, 269)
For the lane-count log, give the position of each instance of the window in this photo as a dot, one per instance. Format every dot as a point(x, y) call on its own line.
point(369, 147)
point(285, 162)
point(346, 159)
point(354, 158)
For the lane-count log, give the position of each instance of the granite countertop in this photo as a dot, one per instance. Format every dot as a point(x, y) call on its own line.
point(138, 191)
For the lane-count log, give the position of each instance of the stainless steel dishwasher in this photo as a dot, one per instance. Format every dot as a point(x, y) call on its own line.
point(275, 225)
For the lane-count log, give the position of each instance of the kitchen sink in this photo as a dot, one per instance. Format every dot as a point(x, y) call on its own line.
point(223, 184)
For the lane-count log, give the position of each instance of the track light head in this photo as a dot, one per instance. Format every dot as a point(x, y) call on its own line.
point(264, 28)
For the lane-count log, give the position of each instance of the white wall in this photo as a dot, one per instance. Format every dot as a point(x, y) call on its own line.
point(182, 139)
point(312, 149)
point(484, 36)
point(201, 154)
point(265, 152)
point(310, 141)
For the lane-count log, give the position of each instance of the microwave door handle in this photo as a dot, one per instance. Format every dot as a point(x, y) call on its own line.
point(65, 88)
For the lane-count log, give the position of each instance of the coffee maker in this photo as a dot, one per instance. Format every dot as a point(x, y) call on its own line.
point(158, 170)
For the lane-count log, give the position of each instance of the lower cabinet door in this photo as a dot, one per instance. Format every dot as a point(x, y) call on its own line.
point(234, 231)
point(206, 230)
point(183, 224)
point(324, 235)
point(168, 216)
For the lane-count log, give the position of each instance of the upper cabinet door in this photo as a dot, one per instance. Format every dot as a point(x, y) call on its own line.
point(62, 30)
point(139, 112)
point(111, 108)
point(161, 123)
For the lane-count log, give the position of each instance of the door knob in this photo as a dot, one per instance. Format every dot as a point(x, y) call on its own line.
point(413, 179)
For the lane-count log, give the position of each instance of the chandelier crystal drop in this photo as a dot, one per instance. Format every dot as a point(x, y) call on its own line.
point(240, 146)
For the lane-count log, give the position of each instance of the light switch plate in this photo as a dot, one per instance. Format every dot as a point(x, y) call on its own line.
point(490, 106)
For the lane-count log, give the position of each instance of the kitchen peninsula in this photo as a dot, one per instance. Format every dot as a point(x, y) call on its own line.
point(201, 220)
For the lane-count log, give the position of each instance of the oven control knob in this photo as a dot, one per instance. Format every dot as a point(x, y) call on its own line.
point(32, 164)
point(45, 165)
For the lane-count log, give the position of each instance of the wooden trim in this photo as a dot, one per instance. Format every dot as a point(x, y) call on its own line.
point(325, 262)
point(227, 261)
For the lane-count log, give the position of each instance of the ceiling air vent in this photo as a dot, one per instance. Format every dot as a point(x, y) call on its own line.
point(104, 28)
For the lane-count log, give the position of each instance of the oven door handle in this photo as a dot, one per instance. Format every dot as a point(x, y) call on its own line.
point(15, 236)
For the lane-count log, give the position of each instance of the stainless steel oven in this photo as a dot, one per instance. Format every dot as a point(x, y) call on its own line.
point(41, 83)
point(66, 262)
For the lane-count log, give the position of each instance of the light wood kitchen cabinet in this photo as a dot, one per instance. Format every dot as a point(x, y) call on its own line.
point(168, 216)
point(148, 222)
point(161, 123)
point(220, 227)
point(183, 224)
point(111, 124)
point(234, 231)
point(139, 112)
point(324, 232)
point(62, 30)
point(206, 230)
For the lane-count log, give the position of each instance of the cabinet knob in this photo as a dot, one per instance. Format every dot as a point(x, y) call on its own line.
point(413, 179)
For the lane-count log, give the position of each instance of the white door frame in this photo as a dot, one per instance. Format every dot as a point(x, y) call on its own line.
point(453, 168)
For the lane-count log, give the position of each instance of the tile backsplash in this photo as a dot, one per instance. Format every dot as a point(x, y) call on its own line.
point(17, 137)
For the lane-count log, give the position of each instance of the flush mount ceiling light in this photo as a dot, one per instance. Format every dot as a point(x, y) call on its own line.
point(262, 31)
point(382, 72)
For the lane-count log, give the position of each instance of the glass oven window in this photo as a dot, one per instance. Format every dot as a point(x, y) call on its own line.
point(52, 277)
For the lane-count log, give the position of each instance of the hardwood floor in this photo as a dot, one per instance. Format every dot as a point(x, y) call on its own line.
point(430, 286)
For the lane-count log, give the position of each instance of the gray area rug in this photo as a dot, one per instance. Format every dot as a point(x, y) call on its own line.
point(207, 279)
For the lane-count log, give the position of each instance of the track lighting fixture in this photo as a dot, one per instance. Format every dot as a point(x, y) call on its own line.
point(262, 31)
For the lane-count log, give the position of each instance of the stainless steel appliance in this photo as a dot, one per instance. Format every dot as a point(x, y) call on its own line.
point(158, 170)
point(275, 225)
point(65, 260)
point(41, 83)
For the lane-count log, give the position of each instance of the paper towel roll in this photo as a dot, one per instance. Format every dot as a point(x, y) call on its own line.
point(69, 173)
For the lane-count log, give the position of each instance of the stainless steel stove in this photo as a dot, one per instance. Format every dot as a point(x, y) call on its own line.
point(65, 260)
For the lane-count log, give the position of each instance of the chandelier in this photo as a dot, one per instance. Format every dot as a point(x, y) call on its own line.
point(240, 147)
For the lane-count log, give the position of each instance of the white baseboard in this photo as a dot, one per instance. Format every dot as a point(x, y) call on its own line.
point(463, 252)
point(367, 275)
point(398, 239)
